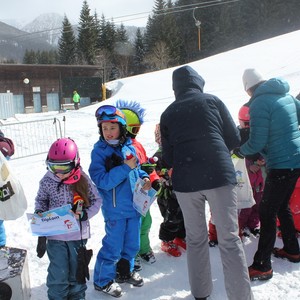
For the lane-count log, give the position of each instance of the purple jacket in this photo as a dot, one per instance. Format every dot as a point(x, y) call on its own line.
point(52, 193)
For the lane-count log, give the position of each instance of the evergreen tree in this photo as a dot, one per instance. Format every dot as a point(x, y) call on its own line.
point(87, 36)
point(121, 34)
point(139, 55)
point(29, 57)
point(67, 44)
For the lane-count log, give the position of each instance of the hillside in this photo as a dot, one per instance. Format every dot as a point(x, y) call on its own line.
point(14, 42)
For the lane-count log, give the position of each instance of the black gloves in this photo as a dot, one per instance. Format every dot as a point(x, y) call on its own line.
point(237, 152)
point(83, 259)
point(156, 184)
point(41, 246)
point(113, 161)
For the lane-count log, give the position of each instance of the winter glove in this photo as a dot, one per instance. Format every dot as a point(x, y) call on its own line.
point(41, 246)
point(237, 152)
point(156, 184)
point(83, 259)
point(148, 168)
point(113, 161)
point(165, 191)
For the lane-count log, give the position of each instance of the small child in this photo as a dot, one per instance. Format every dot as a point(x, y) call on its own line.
point(249, 222)
point(64, 181)
point(134, 114)
point(112, 173)
point(172, 231)
point(249, 217)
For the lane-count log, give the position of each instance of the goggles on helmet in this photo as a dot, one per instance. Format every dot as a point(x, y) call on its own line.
point(108, 110)
point(61, 167)
point(134, 128)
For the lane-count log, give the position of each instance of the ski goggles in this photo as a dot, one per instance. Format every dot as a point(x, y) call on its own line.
point(134, 128)
point(61, 167)
point(108, 110)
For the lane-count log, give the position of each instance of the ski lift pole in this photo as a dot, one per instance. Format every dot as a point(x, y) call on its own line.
point(198, 24)
point(64, 120)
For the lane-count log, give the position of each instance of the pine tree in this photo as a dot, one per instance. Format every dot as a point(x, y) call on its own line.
point(87, 36)
point(29, 57)
point(67, 44)
point(139, 55)
point(121, 34)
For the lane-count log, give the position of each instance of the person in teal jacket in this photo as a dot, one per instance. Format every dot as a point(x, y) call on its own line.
point(114, 174)
point(274, 132)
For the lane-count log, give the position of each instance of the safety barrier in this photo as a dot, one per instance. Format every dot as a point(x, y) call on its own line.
point(33, 137)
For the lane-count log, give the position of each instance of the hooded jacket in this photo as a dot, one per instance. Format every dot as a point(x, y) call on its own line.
point(113, 179)
point(274, 125)
point(52, 194)
point(197, 134)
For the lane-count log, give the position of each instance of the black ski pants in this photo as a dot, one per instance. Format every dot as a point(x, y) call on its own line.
point(279, 186)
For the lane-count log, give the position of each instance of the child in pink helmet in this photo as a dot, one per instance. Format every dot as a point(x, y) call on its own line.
point(66, 183)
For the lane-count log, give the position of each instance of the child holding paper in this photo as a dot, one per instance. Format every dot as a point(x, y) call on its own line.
point(112, 173)
point(134, 114)
point(65, 183)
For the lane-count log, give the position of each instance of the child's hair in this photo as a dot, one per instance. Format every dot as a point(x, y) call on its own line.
point(82, 188)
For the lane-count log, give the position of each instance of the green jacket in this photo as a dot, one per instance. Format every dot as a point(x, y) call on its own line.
point(76, 98)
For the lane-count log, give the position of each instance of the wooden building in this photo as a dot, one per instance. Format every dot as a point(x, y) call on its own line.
point(37, 88)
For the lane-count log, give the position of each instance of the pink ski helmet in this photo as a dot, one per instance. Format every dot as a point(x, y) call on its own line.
point(63, 157)
point(63, 150)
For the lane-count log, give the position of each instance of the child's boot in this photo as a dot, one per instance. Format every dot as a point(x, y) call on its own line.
point(180, 242)
point(170, 248)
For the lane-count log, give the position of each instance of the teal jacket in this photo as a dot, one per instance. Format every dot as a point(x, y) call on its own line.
point(274, 125)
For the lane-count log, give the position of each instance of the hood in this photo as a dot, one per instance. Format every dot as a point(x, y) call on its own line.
point(272, 86)
point(186, 78)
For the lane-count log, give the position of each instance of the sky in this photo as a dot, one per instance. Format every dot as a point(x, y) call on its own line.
point(26, 11)
point(167, 278)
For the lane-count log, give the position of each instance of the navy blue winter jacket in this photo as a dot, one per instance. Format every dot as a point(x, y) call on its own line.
point(274, 125)
point(198, 134)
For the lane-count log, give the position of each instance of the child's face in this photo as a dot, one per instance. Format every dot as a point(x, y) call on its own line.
point(111, 131)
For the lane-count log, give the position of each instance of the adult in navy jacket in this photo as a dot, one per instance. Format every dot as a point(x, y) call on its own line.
point(274, 132)
point(198, 134)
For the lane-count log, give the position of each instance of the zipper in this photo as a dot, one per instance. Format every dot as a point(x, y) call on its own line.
point(114, 197)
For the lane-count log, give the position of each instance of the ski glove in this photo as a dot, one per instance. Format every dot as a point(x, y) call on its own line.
point(41, 246)
point(113, 161)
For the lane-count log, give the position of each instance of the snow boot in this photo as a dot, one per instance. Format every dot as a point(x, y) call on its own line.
point(148, 257)
point(170, 248)
point(132, 278)
point(295, 258)
point(138, 264)
point(255, 274)
point(112, 289)
point(180, 242)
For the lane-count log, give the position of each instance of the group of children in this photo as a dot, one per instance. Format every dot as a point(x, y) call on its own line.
point(117, 161)
point(112, 173)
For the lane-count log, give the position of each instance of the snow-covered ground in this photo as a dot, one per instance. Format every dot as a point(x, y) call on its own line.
point(167, 278)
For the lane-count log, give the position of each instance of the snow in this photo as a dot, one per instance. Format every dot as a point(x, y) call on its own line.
point(167, 278)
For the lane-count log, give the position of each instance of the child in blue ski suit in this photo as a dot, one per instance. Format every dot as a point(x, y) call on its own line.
point(112, 174)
